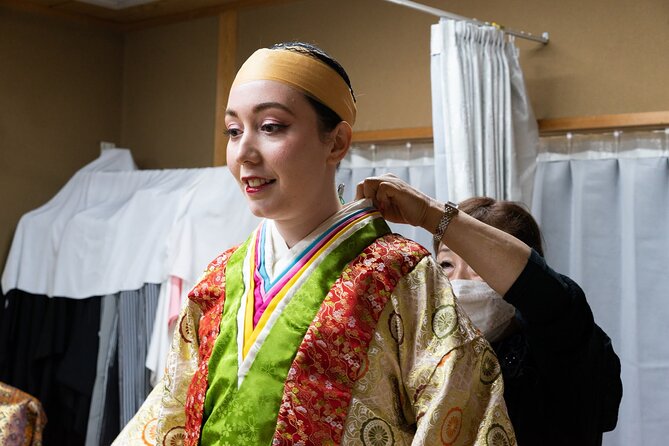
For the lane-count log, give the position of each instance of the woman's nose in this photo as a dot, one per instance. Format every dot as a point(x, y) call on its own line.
point(247, 151)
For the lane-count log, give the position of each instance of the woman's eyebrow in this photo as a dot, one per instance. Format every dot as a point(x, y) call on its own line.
point(266, 105)
point(261, 107)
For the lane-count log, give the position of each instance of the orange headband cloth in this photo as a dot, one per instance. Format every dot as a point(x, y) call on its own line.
point(304, 73)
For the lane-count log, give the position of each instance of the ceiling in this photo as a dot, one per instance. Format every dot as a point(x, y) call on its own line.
point(127, 14)
point(117, 4)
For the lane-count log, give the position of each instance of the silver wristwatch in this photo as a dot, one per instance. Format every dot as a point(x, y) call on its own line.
point(450, 211)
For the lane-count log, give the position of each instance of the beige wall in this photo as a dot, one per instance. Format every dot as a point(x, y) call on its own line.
point(605, 56)
point(60, 95)
point(169, 94)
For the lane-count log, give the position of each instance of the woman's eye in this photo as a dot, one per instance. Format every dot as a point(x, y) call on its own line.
point(272, 127)
point(446, 265)
point(232, 132)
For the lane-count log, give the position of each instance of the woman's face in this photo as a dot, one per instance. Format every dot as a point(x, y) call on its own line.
point(453, 265)
point(276, 152)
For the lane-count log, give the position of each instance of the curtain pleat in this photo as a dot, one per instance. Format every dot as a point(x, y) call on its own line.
point(137, 311)
point(100, 414)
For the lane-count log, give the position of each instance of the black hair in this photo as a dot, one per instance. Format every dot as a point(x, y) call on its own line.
point(327, 118)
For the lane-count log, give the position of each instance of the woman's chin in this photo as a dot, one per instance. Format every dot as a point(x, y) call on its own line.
point(261, 211)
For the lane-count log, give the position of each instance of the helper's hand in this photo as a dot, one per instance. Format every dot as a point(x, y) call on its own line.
point(397, 201)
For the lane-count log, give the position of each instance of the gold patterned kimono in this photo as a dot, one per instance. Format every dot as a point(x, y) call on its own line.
point(22, 418)
point(385, 357)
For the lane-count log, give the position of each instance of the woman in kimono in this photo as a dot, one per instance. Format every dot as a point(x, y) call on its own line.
point(323, 327)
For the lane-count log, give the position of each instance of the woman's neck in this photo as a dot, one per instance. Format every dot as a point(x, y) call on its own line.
point(294, 230)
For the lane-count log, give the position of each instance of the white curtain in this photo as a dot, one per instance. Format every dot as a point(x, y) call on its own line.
point(485, 133)
point(412, 162)
point(603, 205)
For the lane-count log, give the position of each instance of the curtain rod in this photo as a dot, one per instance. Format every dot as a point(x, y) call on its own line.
point(439, 13)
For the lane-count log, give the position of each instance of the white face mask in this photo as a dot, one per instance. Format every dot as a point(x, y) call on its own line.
point(485, 307)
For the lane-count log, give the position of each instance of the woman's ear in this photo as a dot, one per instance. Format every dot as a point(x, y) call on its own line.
point(341, 141)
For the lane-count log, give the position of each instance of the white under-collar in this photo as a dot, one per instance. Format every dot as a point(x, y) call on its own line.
point(277, 253)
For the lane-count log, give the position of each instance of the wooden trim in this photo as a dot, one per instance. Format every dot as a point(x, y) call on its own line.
point(34, 8)
point(406, 134)
point(169, 19)
point(659, 119)
point(121, 25)
point(603, 122)
point(198, 13)
point(225, 74)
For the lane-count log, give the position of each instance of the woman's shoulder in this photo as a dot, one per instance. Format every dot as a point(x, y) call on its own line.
point(395, 251)
point(542, 294)
point(220, 261)
point(402, 244)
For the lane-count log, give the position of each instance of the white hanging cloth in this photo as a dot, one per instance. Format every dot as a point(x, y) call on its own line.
point(116, 231)
point(485, 133)
point(31, 262)
point(603, 206)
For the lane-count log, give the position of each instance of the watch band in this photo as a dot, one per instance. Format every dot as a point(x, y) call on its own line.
point(450, 211)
